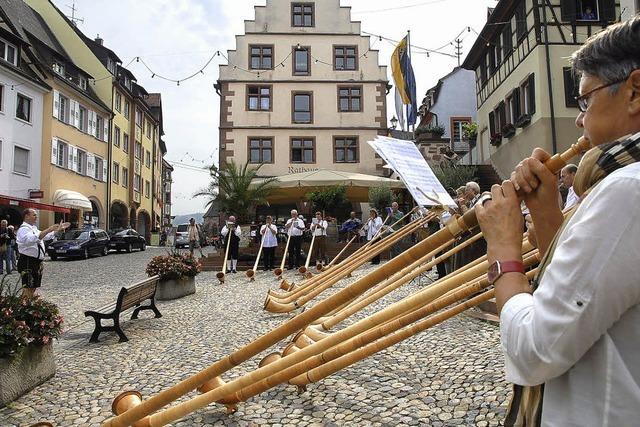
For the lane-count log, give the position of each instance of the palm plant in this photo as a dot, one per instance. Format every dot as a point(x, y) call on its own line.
point(231, 188)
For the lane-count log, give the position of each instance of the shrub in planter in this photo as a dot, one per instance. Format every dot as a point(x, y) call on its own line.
point(177, 273)
point(436, 130)
point(25, 320)
point(28, 326)
point(508, 130)
point(496, 139)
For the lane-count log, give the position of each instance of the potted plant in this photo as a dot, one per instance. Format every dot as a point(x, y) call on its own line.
point(470, 132)
point(436, 130)
point(28, 326)
point(496, 139)
point(523, 120)
point(508, 130)
point(177, 274)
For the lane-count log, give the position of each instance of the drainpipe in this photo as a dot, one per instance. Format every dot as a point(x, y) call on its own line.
point(107, 221)
point(554, 139)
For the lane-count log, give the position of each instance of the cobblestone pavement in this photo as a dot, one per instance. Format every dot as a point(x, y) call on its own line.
point(449, 375)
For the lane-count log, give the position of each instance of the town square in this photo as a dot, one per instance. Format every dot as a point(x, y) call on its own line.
point(319, 213)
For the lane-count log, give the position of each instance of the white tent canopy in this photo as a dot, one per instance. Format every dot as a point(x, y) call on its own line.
point(71, 199)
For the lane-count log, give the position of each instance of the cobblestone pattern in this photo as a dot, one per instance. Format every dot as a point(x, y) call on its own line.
point(449, 375)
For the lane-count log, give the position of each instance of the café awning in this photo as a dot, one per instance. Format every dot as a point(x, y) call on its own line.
point(294, 186)
point(26, 203)
point(72, 200)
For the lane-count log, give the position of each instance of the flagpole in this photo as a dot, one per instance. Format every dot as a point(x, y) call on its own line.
point(409, 56)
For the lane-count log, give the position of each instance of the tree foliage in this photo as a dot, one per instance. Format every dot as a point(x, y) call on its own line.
point(380, 197)
point(231, 188)
point(328, 200)
point(453, 176)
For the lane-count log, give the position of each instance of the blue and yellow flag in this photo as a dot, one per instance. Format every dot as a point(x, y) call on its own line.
point(404, 79)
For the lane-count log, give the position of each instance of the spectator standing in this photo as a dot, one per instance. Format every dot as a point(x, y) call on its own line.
point(295, 228)
point(234, 244)
point(31, 249)
point(319, 229)
point(567, 174)
point(373, 225)
point(269, 232)
point(6, 239)
point(14, 247)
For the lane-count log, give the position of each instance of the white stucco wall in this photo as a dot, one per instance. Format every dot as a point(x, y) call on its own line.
point(457, 98)
point(629, 8)
point(15, 132)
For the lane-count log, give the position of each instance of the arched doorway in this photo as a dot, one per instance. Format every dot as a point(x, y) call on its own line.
point(12, 214)
point(119, 215)
point(95, 216)
point(143, 226)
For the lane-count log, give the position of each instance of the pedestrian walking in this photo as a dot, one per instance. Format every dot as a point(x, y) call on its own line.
point(234, 244)
point(319, 229)
point(194, 237)
point(295, 228)
point(31, 249)
point(269, 233)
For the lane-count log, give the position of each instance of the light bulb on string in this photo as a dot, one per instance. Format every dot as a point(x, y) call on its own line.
point(178, 82)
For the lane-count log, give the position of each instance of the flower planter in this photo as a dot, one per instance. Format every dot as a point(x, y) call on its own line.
point(24, 372)
point(175, 288)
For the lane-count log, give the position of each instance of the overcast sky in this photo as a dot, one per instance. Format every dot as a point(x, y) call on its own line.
point(175, 38)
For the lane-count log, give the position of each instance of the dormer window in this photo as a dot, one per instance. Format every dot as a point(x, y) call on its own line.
point(82, 82)
point(111, 66)
point(127, 82)
point(8, 52)
point(58, 68)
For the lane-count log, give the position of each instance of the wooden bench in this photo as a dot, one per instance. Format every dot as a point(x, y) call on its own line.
point(128, 297)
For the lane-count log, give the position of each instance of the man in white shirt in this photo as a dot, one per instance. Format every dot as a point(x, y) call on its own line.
point(295, 228)
point(31, 249)
point(319, 229)
point(567, 174)
point(578, 332)
point(372, 227)
point(234, 244)
point(269, 234)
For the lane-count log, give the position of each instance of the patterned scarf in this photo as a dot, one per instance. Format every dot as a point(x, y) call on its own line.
point(525, 408)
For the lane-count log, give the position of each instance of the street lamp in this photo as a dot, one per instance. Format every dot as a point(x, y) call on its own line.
point(394, 122)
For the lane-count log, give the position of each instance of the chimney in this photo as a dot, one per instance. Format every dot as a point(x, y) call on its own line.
point(99, 40)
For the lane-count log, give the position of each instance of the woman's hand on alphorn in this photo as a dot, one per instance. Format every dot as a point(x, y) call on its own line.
point(501, 222)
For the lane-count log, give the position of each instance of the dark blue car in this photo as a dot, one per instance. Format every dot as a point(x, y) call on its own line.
point(79, 244)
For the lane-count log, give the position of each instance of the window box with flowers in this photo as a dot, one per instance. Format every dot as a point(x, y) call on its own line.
point(508, 130)
point(177, 275)
point(523, 120)
point(496, 139)
point(28, 326)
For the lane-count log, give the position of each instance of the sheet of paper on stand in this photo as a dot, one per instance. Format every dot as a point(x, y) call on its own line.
point(406, 160)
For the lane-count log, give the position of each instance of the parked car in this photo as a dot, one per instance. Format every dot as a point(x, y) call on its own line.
point(182, 236)
point(127, 239)
point(80, 243)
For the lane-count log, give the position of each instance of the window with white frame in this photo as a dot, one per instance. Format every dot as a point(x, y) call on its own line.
point(136, 182)
point(58, 68)
point(1, 98)
point(61, 153)
point(115, 174)
point(118, 102)
point(138, 150)
point(81, 167)
point(116, 136)
point(147, 158)
point(20, 160)
point(456, 128)
point(125, 142)
point(99, 169)
point(82, 82)
point(147, 189)
point(125, 177)
point(63, 108)
point(100, 128)
point(139, 118)
point(126, 109)
point(23, 108)
point(8, 52)
point(84, 119)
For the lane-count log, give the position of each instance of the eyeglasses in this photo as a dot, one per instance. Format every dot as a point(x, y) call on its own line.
point(583, 100)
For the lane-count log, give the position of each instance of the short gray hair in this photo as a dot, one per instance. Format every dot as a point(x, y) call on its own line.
point(293, 211)
point(612, 54)
point(473, 186)
point(571, 168)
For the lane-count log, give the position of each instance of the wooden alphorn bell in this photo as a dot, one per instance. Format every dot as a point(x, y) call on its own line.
point(251, 273)
point(304, 270)
point(141, 410)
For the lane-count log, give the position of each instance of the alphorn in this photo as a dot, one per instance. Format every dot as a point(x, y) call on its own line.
point(252, 272)
point(302, 270)
point(358, 257)
point(220, 275)
point(140, 410)
point(278, 271)
point(284, 285)
point(335, 258)
point(300, 297)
